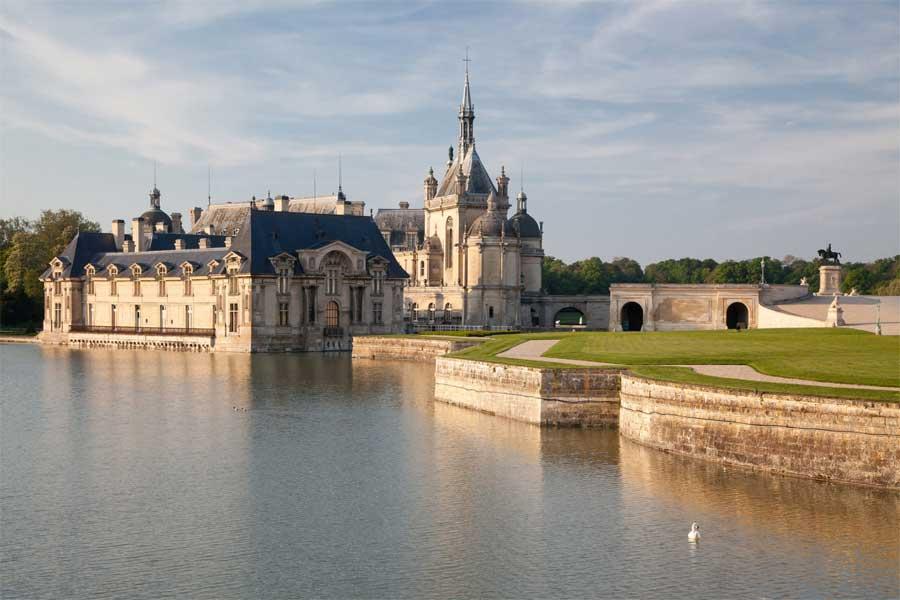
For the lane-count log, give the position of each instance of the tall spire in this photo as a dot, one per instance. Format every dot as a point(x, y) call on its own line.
point(466, 115)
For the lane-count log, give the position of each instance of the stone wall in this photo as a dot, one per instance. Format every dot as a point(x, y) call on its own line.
point(141, 342)
point(834, 439)
point(563, 397)
point(772, 318)
point(405, 348)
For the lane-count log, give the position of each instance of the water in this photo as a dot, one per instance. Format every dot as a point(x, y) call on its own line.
point(129, 473)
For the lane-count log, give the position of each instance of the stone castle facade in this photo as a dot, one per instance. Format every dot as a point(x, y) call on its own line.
point(469, 263)
point(269, 280)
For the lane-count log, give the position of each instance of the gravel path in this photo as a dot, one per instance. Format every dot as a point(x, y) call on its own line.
point(535, 349)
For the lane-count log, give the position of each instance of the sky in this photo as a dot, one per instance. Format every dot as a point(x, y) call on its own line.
point(658, 129)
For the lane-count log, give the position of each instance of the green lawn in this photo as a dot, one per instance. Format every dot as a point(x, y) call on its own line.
point(828, 355)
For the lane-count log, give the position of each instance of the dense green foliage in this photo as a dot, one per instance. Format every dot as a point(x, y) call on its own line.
point(26, 247)
point(594, 276)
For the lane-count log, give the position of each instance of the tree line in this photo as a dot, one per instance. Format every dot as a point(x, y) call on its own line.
point(594, 276)
point(26, 248)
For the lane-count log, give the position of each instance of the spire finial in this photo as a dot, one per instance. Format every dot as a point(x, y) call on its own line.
point(340, 174)
point(208, 185)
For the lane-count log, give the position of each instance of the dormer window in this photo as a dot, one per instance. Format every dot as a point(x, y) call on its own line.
point(113, 273)
point(89, 280)
point(186, 272)
point(161, 280)
point(284, 280)
point(136, 281)
point(378, 282)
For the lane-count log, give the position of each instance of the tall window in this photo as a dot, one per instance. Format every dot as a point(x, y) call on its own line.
point(431, 311)
point(161, 278)
point(162, 316)
point(378, 283)
point(332, 314)
point(448, 243)
point(377, 313)
point(188, 317)
point(311, 305)
point(422, 268)
point(232, 282)
point(186, 274)
point(284, 275)
point(232, 317)
point(283, 315)
point(448, 312)
point(335, 264)
point(136, 282)
point(112, 316)
point(490, 312)
point(90, 315)
point(356, 304)
point(57, 285)
point(113, 273)
point(57, 315)
point(414, 311)
point(137, 316)
point(89, 280)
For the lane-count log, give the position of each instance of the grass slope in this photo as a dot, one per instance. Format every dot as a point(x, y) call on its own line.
point(828, 355)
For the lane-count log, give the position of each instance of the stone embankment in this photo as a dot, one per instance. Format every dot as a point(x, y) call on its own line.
point(407, 348)
point(561, 397)
point(835, 439)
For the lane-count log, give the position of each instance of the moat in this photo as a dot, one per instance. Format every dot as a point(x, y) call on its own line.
point(154, 474)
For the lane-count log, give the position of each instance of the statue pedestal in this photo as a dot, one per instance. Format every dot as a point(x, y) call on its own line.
point(829, 280)
point(835, 316)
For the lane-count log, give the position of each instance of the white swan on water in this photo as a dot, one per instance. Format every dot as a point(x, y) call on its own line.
point(694, 535)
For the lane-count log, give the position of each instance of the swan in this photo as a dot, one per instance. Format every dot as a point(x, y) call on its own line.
point(694, 535)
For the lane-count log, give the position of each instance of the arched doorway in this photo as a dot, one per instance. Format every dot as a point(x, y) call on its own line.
point(737, 316)
point(632, 317)
point(332, 314)
point(535, 318)
point(566, 317)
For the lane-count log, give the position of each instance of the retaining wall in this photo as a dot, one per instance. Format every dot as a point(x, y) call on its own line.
point(404, 348)
point(565, 397)
point(824, 438)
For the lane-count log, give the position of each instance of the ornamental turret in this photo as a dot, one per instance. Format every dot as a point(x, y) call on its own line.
point(503, 186)
point(430, 185)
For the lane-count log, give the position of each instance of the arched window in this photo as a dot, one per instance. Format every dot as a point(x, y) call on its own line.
point(448, 243)
point(448, 312)
point(414, 311)
point(490, 312)
point(113, 273)
point(332, 314)
point(136, 281)
point(89, 280)
point(186, 274)
point(431, 311)
point(161, 280)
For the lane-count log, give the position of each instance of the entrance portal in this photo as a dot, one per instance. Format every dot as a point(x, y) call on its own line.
point(737, 316)
point(569, 316)
point(632, 317)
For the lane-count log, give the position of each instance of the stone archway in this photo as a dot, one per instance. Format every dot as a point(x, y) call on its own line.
point(737, 316)
point(568, 316)
point(632, 317)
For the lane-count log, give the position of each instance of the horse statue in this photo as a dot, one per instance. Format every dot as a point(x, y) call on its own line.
point(830, 256)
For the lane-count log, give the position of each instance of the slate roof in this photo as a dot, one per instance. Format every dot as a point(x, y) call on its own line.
point(478, 181)
point(524, 225)
point(262, 235)
point(397, 220)
point(166, 241)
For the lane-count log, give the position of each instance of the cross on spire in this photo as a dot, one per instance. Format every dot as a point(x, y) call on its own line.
point(467, 60)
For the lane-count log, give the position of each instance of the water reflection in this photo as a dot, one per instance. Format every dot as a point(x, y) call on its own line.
point(133, 474)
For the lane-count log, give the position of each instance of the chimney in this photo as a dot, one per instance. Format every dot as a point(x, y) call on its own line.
point(176, 223)
point(195, 214)
point(128, 246)
point(282, 203)
point(404, 205)
point(137, 234)
point(118, 231)
point(203, 243)
point(179, 244)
